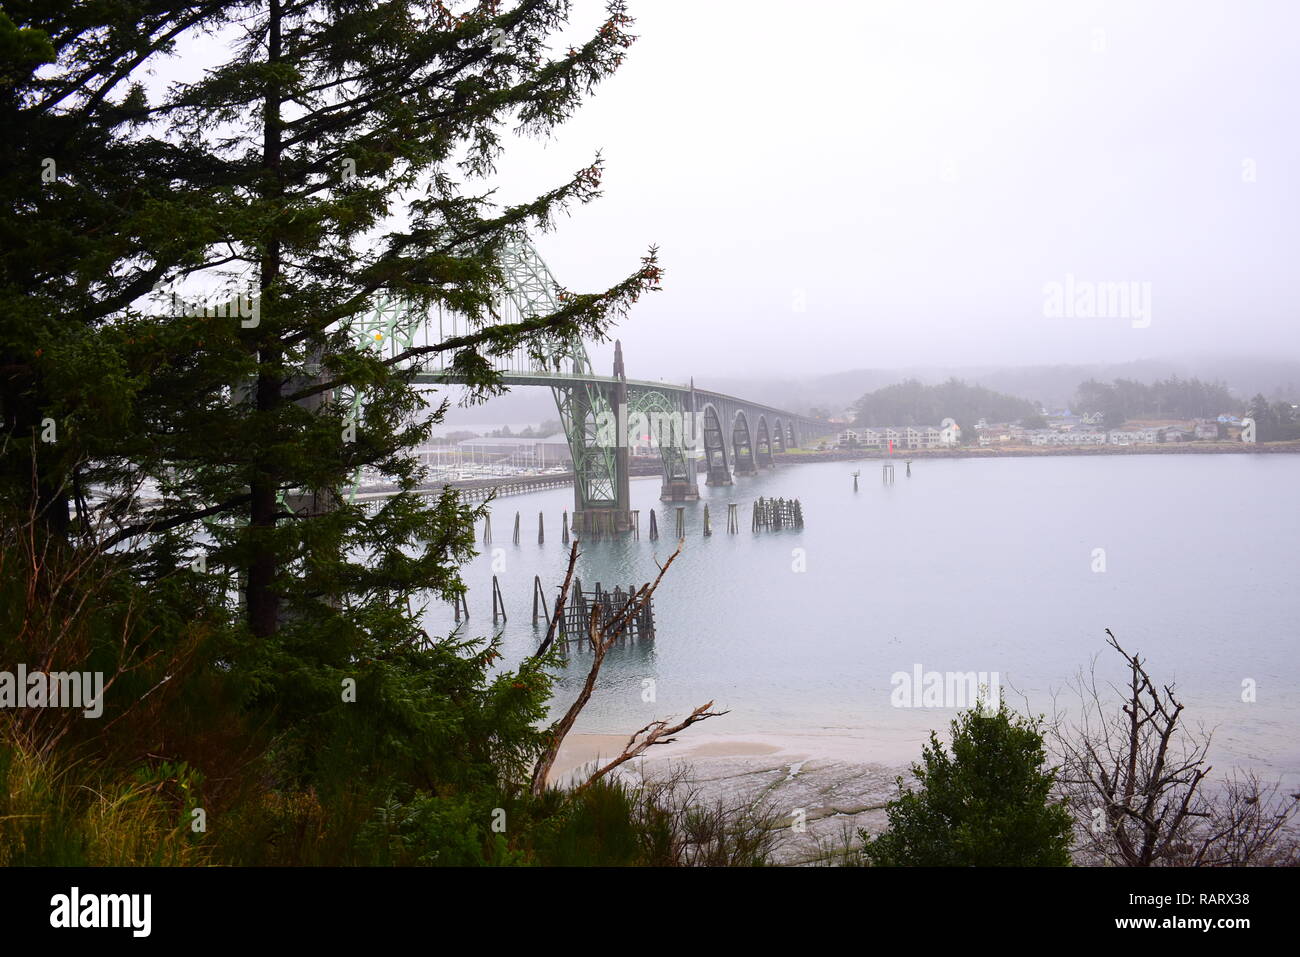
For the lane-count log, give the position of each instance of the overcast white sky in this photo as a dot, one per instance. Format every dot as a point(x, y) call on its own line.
point(913, 174)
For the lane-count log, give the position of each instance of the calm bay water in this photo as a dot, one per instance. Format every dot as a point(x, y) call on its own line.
point(969, 565)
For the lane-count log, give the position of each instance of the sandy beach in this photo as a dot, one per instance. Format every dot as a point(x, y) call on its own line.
point(820, 779)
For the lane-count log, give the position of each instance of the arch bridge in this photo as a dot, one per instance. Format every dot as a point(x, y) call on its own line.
point(604, 417)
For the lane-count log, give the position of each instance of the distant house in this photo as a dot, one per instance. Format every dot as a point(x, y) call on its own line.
point(1206, 430)
point(902, 436)
point(847, 437)
point(1176, 434)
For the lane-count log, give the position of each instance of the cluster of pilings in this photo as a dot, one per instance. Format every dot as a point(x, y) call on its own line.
point(606, 606)
point(576, 619)
point(777, 513)
point(768, 513)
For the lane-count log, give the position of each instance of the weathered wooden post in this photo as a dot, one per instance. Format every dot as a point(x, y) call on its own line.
point(564, 528)
point(541, 530)
point(681, 522)
point(909, 468)
point(733, 519)
point(654, 527)
point(636, 524)
point(708, 527)
point(855, 480)
point(516, 528)
point(498, 602)
point(487, 529)
point(539, 599)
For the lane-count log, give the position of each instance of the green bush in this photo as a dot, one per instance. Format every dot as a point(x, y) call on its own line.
point(985, 804)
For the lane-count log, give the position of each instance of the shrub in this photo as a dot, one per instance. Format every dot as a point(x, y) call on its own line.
point(986, 804)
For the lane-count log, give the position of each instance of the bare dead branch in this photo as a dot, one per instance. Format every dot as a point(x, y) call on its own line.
point(602, 638)
point(656, 732)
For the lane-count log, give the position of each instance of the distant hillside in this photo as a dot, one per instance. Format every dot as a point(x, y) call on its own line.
point(1053, 385)
point(836, 392)
point(911, 403)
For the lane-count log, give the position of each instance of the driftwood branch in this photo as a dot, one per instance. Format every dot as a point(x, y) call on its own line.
point(602, 638)
point(656, 732)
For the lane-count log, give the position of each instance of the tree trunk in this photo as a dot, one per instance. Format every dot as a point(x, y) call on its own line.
point(262, 601)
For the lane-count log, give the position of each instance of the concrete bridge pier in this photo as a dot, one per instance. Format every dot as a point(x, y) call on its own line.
point(678, 489)
point(681, 468)
point(612, 512)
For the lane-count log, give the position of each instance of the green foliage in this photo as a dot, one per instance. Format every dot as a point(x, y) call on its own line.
point(1274, 422)
point(348, 135)
point(1035, 421)
point(988, 803)
point(1172, 398)
point(911, 403)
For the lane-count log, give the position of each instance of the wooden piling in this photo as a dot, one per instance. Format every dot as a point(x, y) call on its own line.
point(777, 513)
point(487, 529)
point(539, 600)
point(708, 527)
point(681, 523)
point(516, 528)
point(541, 529)
point(573, 623)
point(564, 528)
point(636, 524)
point(733, 519)
point(654, 527)
point(498, 602)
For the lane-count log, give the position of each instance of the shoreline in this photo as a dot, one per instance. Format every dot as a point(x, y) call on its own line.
point(582, 748)
point(835, 784)
point(1175, 448)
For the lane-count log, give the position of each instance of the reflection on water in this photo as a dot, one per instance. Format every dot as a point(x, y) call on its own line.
point(969, 565)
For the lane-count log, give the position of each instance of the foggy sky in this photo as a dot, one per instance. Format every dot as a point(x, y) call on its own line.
point(914, 173)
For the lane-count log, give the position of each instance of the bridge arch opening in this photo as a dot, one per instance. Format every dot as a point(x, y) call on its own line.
point(715, 448)
point(742, 445)
point(763, 444)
